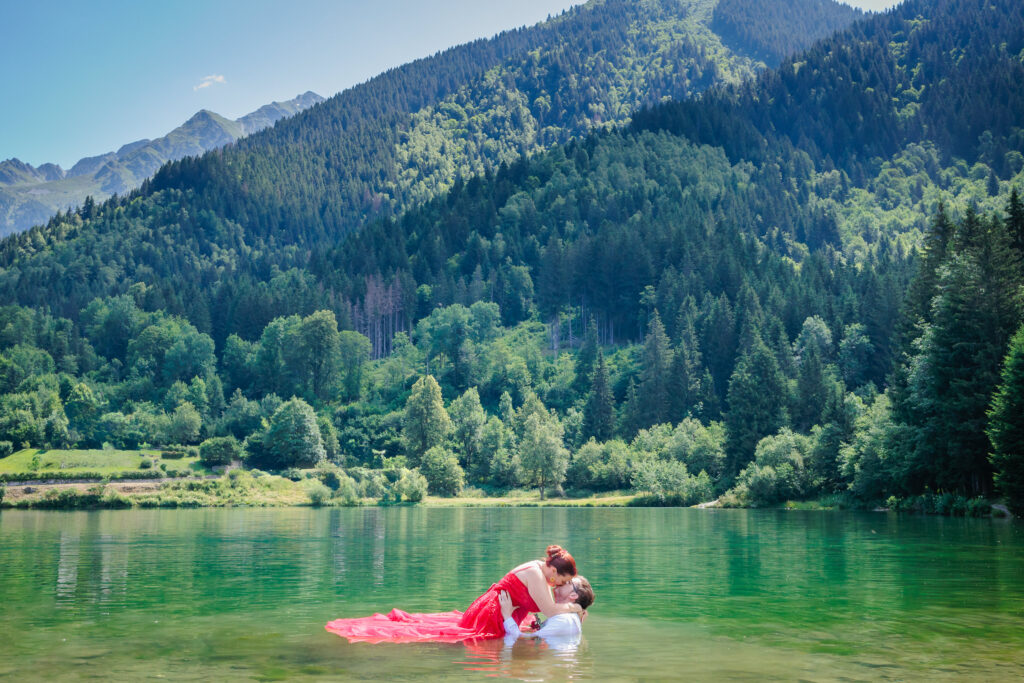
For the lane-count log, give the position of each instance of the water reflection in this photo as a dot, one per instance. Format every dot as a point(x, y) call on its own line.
point(526, 658)
point(727, 594)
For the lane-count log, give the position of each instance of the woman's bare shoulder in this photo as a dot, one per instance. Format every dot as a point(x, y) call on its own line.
point(527, 568)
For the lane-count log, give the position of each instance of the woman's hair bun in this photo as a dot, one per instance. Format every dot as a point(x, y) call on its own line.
point(555, 550)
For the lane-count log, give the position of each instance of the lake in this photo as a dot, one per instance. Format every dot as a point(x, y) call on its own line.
point(695, 594)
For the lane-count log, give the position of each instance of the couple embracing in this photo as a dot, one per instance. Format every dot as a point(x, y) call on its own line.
point(549, 586)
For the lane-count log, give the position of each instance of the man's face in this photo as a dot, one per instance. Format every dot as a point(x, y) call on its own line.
point(566, 592)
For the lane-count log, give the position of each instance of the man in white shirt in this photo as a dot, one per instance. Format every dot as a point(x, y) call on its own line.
point(560, 629)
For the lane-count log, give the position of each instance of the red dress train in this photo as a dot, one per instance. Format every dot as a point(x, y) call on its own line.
point(480, 621)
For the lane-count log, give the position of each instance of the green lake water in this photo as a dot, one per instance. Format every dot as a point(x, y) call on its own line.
point(681, 594)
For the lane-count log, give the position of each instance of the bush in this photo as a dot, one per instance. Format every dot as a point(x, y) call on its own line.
point(346, 493)
point(6, 448)
point(331, 475)
point(3, 492)
point(220, 450)
point(61, 475)
point(172, 454)
point(145, 464)
point(600, 467)
point(441, 468)
point(317, 492)
point(411, 486)
point(669, 483)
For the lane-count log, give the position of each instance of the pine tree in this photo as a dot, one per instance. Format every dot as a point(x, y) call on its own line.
point(599, 410)
point(629, 414)
point(1006, 427)
point(585, 359)
point(757, 399)
point(654, 378)
point(975, 312)
point(1015, 222)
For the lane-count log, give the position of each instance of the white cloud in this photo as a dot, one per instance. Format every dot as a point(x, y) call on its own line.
point(209, 80)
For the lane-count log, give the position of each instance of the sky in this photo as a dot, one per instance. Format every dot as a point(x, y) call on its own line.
point(83, 77)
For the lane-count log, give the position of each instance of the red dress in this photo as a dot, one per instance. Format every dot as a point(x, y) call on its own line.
point(482, 620)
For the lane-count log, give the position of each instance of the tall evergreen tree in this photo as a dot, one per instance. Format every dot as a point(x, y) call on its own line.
point(630, 412)
point(599, 410)
point(757, 400)
point(1006, 427)
point(586, 358)
point(1015, 222)
point(974, 314)
point(655, 377)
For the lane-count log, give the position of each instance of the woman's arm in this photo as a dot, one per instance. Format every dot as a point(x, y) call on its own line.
point(537, 585)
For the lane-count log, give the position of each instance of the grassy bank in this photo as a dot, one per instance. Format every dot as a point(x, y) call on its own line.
point(241, 488)
point(59, 464)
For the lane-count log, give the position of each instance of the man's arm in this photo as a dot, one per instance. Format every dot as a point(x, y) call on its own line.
point(512, 631)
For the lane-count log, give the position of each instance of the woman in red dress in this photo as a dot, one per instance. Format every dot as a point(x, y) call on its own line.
point(529, 585)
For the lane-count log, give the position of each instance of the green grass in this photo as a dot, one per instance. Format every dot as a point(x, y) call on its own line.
point(612, 500)
point(104, 462)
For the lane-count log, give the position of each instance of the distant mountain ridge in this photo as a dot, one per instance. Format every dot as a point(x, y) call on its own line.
point(30, 195)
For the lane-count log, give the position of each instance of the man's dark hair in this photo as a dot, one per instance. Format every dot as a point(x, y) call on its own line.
point(584, 593)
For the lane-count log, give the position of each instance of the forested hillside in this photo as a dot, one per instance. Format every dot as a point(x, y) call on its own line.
point(397, 140)
point(712, 299)
point(30, 196)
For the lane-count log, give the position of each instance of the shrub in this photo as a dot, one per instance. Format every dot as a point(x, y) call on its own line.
point(778, 470)
point(441, 468)
point(6, 448)
point(346, 493)
point(669, 483)
point(293, 473)
point(600, 467)
point(3, 492)
point(317, 492)
point(331, 475)
point(172, 455)
point(145, 464)
point(220, 450)
point(411, 486)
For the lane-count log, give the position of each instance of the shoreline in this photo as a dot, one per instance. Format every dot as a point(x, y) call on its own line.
point(267, 492)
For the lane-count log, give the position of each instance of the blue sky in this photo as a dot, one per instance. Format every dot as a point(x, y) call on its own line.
point(82, 78)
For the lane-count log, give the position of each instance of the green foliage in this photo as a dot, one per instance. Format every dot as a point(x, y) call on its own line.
point(542, 455)
point(1006, 427)
point(441, 468)
point(669, 482)
point(292, 439)
point(220, 450)
point(755, 410)
point(317, 492)
point(425, 423)
point(6, 448)
point(601, 466)
point(184, 424)
point(771, 31)
point(778, 471)
point(468, 420)
point(701, 448)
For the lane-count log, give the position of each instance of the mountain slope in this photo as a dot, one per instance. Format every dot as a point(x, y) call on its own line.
point(29, 196)
point(231, 216)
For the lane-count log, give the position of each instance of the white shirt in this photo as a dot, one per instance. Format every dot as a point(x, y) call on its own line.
point(560, 630)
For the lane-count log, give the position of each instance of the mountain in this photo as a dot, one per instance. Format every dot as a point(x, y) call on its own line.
point(29, 195)
point(733, 245)
point(394, 142)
